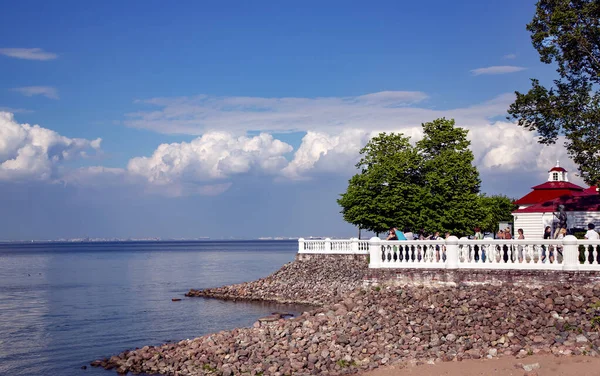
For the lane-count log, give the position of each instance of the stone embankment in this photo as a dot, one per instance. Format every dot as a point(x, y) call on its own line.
point(362, 329)
point(315, 281)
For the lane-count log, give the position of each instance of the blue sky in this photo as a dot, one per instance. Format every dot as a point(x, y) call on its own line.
point(261, 108)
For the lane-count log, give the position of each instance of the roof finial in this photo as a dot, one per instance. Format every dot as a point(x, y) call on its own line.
point(557, 163)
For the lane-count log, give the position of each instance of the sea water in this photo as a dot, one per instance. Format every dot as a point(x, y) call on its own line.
point(63, 305)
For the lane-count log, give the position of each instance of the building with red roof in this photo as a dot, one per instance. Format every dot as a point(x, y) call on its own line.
point(537, 208)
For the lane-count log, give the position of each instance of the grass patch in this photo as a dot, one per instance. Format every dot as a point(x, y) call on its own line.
point(208, 368)
point(345, 364)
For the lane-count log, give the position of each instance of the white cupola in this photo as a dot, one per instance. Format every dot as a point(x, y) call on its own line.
point(557, 173)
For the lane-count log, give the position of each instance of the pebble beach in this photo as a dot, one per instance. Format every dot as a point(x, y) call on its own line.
point(355, 328)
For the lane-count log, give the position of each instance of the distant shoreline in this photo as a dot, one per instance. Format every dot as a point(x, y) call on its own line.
point(41, 242)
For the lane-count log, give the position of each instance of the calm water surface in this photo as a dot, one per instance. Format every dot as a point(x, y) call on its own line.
point(64, 305)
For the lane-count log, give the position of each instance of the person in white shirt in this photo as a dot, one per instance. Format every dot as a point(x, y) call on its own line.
point(591, 234)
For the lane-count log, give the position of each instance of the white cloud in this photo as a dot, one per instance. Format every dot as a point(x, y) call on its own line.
point(34, 153)
point(30, 91)
point(216, 156)
point(28, 53)
point(325, 153)
point(509, 56)
point(336, 128)
point(200, 114)
point(14, 110)
point(499, 148)
point(499, 69)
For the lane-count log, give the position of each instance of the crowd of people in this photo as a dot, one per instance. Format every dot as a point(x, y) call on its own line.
point(395, 234)
point(514, 252)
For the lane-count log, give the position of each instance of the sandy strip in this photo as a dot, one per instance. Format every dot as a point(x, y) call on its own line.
point(549, 365)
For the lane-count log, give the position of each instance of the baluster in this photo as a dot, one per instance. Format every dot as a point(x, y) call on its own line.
point(587, 255)
point(595, 254)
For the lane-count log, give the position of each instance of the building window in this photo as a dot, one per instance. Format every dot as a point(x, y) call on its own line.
point(555, 176)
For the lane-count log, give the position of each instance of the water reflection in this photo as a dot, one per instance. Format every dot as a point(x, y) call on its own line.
point(63, 307)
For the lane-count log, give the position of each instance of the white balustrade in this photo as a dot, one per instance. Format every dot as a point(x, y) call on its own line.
point(453, 253)
point(589, 253)
point(333, 246)
point(408, 254)
point(511, 254)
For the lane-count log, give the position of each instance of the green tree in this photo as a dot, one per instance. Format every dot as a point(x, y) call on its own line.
point(566, 32)
point(449, 198)
point(383, 193)
point(432, 185)
point(495, 209)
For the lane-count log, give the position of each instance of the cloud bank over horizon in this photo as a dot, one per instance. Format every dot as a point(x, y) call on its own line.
point(334, 129)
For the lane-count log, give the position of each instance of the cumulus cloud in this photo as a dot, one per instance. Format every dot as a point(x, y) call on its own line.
point(498, 69)
point(30, 91)
point(215, 156)
point(326, 153)
point(336, 128)
point(28, 53)
point(499, 148)
point(33, 152)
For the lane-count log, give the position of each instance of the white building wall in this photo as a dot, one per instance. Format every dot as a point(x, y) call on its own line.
point(533, 224)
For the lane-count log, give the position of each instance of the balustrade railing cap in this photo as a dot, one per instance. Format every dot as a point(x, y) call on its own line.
point(374, 239)
point(569, 240)
point(452, 240)
point(301, 239)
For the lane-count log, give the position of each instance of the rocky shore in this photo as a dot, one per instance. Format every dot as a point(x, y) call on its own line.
point(314, 281)
point(355, 329)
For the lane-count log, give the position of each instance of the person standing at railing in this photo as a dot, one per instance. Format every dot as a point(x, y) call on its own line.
point(547, 235)
point(479, 249)
point(409, 234)
point(399, 234)
point(392, 234)
point(520, 236)
point(591, 234)
point(561, 235)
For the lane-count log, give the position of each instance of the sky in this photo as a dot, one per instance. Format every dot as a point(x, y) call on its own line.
point(240, 119)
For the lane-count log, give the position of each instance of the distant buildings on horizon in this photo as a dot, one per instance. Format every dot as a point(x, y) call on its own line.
point(154, 239)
